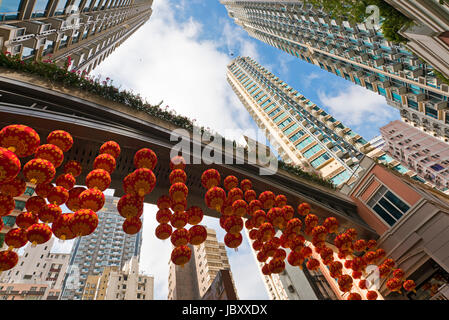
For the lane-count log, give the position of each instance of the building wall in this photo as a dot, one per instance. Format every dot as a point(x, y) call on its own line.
point(24, 291)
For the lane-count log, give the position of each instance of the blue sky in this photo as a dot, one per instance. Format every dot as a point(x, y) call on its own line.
point(180, 56)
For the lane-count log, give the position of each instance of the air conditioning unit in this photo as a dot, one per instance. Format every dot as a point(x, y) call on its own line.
point(35, 27)
point(11, 33)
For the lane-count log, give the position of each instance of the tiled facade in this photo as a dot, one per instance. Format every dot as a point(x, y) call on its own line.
point(86, 30)
point(354, 52)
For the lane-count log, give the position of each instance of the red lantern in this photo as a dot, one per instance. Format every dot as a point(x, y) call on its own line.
point(259, 218)
point(276, 217)
point(409, 285)
point(249, 224)
point(352, 233)
point(331, 224)
point(179, 219)
point(269, 248)
point(294, 226)
point(7, 205)
point(38, 233)
point(197, 235)
point(129, 206)
point(73, 167)
point(398, 273)
point(83, 222)
point(288, 212)
point(61, 227)
point(262, 256)
point(306, 252)
point(49, 213)
point(163, 216)
point(179, 205)
point(8, 260)
point(257, 245)
point(58, 195)
point(304, 209)
point(61, 139)
point(327, 255)
point(215, 198)
point(371, 244)
point(370, 257)
point(389, 263)
point(14, 188)
point(319, 232)
point(210, 178)
point(284, 241)
point(16, 238)
point(266, 270)
point(335, 269)
point(195, 215)
point(280, 201)
point(250, 195)
point(360, 245)
point(20, 139)
point(233, 224)
point(132, 225)
point(267, 199)
point(39, 171)
point(394, 285)
point(43, 189)
point(178, 191)
point(358, 264)
point(254, 206)
point(50, 153)
point(297, 243)
point(354, 296)
point(73, 202)
point(26, 219)
point(181, 255)
point(246, 185)
point(240, 208)
point(313, 264)
point(311, 220)
point(9, 165)
point(145, 158)
point(177, 176)
point(230, 182)
point(112, 148)
point(380, 253)
point(266, 231)
point(164, 202)
point(384, 271)
point(343, 241)
point(295, 259)
point(276, 265)
point(253, 234)
point(33, 204)
point(163, 231)
point(356, 274)
point(92, 199)
point(371, 295)
point(363, 284)
point(233, 240)
point(106, 162)
point(99, 179)
point(234, 194)
point(177, 162)
point(345, 283)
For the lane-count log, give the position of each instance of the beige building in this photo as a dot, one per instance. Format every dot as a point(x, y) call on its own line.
point(191, 281)
point(27, 291)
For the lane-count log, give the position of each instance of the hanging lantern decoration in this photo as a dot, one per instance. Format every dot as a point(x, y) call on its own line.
point(181, 255)
point(14, 188)
point(197, 235)
point(254, 206)
point(73, 167)
point(319, 232)
point(106, 162)
point(8, 260)
point(7, 205)
point(343, 241)
point(128, 206)
point(83, 222)
point(259, 218)
point(230, 182)
point(177, 162)
point(163, 202)
point(313, 264)
point(145, 158)
point(371, 244)
point(249, 224)
point(240, 208)
point(234, 194)
point(178, 176)
point(389, 263)
point(394, 285)
point(304, 209)
point(43, 189)
point(61, 227)
point(16, 238)
point(38, 233)
point(49, 213)
point(384, 271)
point(288, 212)
point(356, 274)
point(195, 215)
point(222, 220)
point(358, 264)
point(354, 296)
point(215, 198)
point(257, 245)
point(26, 219)
point(370, 257)
point(409, 285)
point(371, 295)
point(246, 185)
point(93, 199)
point(210, 178)
point(276, 217)
point(178, 191)
point(9, 165)
point(297, 243)
point(132, 225)
point(295, 259)
point(112, 148)
point(20, 139)
point(269, 248)
point(73, 202)
point(293, 226)
point(163, 231)
point(363, 284)
point(360, 245)
point(311, 221)
point(250, 195)
point(266, 231)
point(226, 209)
point(163, 216)
point(262, 256)
point(39, 171)
point(348, 264)
point(352, 233)
point(61, 139)
point(99, 179)
point(335, 269)
point(33, 204)
point(327, 255)
point(179, 219)
point(398, 273)
point(50, 153)
point(179, 205)
point(233, 240)
point(267, 199)
point(233, 224)
point(253, 234)
point(276, 265)
point(331, 224)
point(266, 270)
point(306, 252)
point(58, 195)
point(345, 283)
point(380, 253)
point(280, 201)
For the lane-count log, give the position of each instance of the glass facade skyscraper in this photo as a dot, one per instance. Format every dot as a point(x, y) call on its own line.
point(352, 51)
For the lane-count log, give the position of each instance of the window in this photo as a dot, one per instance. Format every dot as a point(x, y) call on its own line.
point(310, 152)
point(320, 160)
point(304, 143)
point(284, 123)
point(387, 205)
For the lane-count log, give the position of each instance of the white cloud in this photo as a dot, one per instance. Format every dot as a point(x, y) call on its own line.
point(308, 79)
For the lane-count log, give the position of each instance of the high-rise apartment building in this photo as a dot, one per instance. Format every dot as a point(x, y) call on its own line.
point(377, 142)
point(353, 51)
point(86, 30)
point(108, 245)
point(193, 279)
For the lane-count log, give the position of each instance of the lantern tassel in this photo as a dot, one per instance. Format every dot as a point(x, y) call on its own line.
point(12, 149)
point(34, 244)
